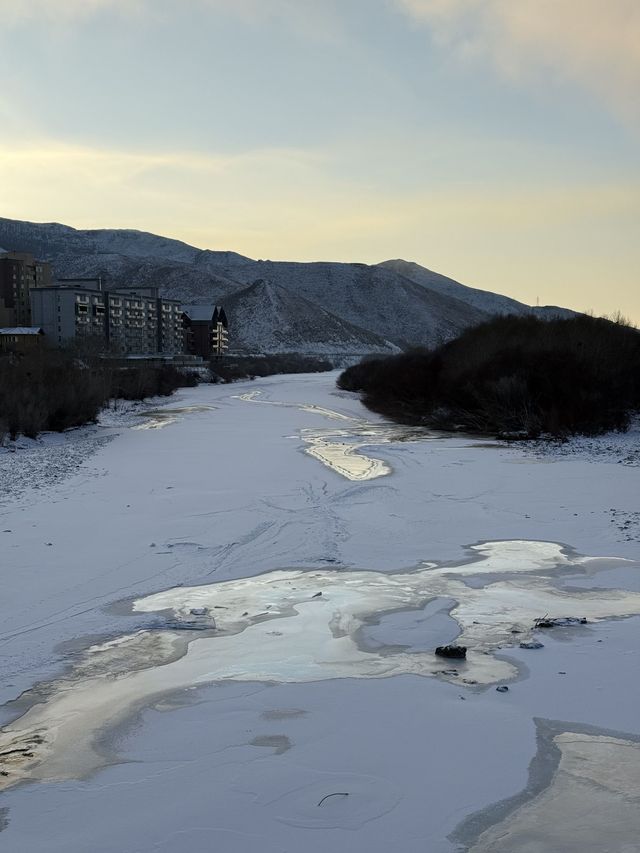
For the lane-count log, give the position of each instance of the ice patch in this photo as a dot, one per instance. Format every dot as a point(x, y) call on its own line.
point(160, 418)
point(297, 626)
point(588, 800)
point(341, 449)
point(342, 457)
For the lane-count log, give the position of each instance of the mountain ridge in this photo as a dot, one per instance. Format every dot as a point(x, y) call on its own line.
point(377, 307)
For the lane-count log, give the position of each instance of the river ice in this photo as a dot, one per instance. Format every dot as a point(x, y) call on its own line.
point(217, 512)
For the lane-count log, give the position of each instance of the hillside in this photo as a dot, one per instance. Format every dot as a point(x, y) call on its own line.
point(492, 303)
point(266, 317)
point(313, 307)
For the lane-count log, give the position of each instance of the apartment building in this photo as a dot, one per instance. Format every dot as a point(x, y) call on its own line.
point(170, 326)
point(220, 332)
point(206, 330)
point(126, 321)
point(20, 272)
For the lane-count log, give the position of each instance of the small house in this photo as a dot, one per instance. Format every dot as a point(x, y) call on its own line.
point(20, 338)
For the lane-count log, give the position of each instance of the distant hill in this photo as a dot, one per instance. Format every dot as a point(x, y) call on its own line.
point(276, 306)
point(269, 318)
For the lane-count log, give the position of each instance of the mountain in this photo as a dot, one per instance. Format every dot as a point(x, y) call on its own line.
point(273, 306)
point(371, 297)
point(121, 257)
point(485, 300)
point(492, 303)
point(267, 317)
point(51, 239)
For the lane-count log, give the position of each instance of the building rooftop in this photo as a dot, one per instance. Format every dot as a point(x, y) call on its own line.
point(199, 312)
point(22, 330)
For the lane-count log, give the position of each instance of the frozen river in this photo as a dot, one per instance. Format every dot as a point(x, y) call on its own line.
point(218, 630)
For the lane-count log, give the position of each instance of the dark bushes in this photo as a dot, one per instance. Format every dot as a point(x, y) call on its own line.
point(53, 389)
point(232, 368)
point(46, 390)
point(512, 375)
point(136, 383)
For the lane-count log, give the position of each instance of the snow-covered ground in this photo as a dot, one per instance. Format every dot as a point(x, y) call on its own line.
point(219, 615)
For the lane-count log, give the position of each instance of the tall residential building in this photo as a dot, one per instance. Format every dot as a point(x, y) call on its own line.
point(197, 321)
point(127, 321)
point(220, 337)
point(206, 330)
point(20, 272)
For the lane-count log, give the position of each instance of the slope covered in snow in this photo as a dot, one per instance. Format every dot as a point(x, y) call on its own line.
point(267, 317)
point(484, 300)
point(50, 239)
point(492, 303)
point(176, 279)
point(381, 301)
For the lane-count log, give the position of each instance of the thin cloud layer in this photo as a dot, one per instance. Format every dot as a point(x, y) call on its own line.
point(592, 42)
point(287, 203)
point(14, 12)
point(308, 129)
point(307, 17)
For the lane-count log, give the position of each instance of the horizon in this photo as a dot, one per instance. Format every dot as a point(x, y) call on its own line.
point(493, 143)
point(612, 314)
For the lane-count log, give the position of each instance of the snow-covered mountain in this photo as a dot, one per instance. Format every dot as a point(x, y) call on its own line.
point(267, 317)
point(492, 303)
point(274, 306)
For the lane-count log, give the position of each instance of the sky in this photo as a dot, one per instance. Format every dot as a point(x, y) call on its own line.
point(494, 141)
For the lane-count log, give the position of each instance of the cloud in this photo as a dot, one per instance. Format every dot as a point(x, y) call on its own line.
point(569, 243)
point(254, 198)
point(593, 42)
point(308, 18)
point(13, 12)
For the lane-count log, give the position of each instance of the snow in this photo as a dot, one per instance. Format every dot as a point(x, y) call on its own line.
point(267, 318)
point(234, 734)
point(484, 300)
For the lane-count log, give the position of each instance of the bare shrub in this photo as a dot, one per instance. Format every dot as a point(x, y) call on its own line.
point(514, 375)
point(232, 368)
point(52, 389)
